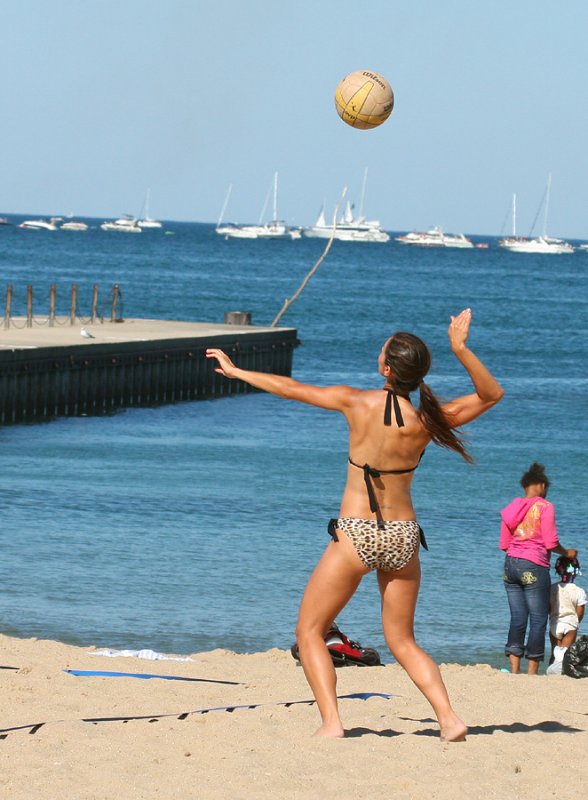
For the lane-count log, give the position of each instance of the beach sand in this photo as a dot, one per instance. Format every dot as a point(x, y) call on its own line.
point(524, 732)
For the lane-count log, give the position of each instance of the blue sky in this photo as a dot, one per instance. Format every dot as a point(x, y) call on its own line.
point(103, 99)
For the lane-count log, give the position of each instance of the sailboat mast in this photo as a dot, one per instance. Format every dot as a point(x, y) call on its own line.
point(546, 212)
point(224, 208)
point(362, 198)
point(514, 215)
point(275, 196)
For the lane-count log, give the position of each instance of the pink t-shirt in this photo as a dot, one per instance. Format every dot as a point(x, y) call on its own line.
point(528, 530)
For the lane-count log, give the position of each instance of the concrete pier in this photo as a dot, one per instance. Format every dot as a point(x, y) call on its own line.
point(48, 372)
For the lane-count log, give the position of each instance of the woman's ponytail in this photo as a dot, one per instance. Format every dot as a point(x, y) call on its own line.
point(409, 360)
point(437, 425)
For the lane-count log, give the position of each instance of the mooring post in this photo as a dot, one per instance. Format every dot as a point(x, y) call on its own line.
point(8, 306)
point(52, 305)
point(115, 295)
point(94, 303)
point(29, 306)
point(74, 304)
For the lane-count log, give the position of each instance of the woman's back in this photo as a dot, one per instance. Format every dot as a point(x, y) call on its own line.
point(394, 449)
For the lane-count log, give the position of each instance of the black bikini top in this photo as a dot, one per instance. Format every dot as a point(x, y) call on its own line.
point(372, 472)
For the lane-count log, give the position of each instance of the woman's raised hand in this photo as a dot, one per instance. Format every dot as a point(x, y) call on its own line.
point(225, 365)
point(459, 328)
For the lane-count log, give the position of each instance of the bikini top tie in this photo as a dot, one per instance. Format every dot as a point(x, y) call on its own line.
point(372, 472)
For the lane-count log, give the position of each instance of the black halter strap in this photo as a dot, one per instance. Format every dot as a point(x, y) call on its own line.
point(392, 398)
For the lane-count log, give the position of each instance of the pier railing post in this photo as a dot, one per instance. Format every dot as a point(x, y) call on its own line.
point(94, 303)
point(74, 304)
point(8, 306)
point(52, 305)
point(29, 306)
point(115, 296)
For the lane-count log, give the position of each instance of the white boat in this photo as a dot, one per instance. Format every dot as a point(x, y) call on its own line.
point(40, 224)
point(543, 244)
point(348, 227)
point(74, 226)
point(583, 247)
point(125, 224)
point(145, 220)
point(435, 237)
point(231, 230)
point(277, 229)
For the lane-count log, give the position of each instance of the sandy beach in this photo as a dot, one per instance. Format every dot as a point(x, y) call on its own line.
point(520, 729)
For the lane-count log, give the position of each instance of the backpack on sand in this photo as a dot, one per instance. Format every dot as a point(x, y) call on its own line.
point(344, 652)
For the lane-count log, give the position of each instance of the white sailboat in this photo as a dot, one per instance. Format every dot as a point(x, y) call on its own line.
point(276, 228)
point(349, 228)
point(233, 231)
point(543, 244)
point(146, 221)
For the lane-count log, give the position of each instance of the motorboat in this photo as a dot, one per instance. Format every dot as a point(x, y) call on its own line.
point(125, 224)
point(435, 237)
point(4, 221)
point(347, 229)
point(74, 226)
point(40, 224)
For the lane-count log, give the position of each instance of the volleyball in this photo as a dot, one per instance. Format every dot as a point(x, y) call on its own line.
point(364, 99)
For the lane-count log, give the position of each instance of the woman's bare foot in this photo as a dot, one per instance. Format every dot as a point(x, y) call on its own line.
point(456, 731)
point(332, 731)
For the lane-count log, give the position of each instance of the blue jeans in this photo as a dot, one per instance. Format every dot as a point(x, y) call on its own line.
point(527, 589)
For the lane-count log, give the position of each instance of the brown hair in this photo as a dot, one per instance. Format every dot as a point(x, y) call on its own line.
point(535, 474)
point(410, 360)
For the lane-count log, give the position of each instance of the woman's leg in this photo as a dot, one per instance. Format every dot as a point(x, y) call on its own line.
point(331, 585)
point(519, 614)
point(399, 592)
point(536, 588)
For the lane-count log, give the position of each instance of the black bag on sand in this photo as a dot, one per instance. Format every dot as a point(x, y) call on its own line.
point(344, 652)
point(575, 660)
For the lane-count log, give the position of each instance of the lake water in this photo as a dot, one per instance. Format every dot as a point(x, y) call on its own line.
point(195, 526)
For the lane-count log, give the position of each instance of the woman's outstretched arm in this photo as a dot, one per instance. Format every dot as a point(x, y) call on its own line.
point(334, 398)
point(488, 390)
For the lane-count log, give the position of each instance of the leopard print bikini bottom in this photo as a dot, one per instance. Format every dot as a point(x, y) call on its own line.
point(381, 544)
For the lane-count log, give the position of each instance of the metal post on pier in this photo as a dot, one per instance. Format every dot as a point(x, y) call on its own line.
point(94, 303)
point(29, 306)
point(52, 305)
point(8, 306)
point(74, 304)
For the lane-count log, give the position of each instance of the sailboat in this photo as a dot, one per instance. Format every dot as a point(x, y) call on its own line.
point(349, 228)
point(277, 229)
point(543, 244)
point(233, 231)
point(146, 221)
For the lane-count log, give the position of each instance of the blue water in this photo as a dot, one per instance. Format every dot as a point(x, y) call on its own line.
point(189, 527)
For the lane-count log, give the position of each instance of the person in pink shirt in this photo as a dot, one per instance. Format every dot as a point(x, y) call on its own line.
point(528, 535)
